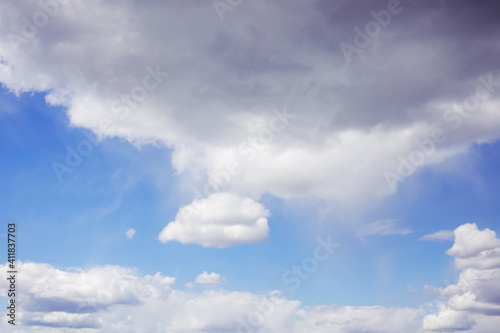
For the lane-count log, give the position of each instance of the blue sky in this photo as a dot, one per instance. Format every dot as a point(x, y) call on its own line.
point(314, 141)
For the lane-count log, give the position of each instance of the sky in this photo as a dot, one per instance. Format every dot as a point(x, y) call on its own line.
point(251, 166)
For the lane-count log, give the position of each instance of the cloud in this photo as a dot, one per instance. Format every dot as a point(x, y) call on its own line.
point(130, 233)
point(63, 320)
point(325, 319)
point(448, 321)
point(209, 278)
point(150, 76)
point(438, 235)
point(477, 293)
point(152, 306)
point(115, 299)
point(383, 228)
point(70, 298)
point(475, 248)
point(221, 220)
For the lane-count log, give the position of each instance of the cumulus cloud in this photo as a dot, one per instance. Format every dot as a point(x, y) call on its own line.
point(144, 72)
point(477, 292)
point(132, 304)
point(209, 278)
point(130, 233)
point(474, 248)
point(221, 220)
point(438, 235)
point(64, 298)
point(448, 320)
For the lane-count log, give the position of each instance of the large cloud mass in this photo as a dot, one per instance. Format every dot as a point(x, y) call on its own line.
point(365, 116)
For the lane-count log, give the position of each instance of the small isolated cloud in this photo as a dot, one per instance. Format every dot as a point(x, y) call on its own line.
point(383, 228)
point(190, 285)
point(439, 235)
point(130, 233)
point(209, 278)
point(221, 220)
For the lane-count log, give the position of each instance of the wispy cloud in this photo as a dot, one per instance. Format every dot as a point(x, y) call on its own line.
point(383, 228)
point(439, 235)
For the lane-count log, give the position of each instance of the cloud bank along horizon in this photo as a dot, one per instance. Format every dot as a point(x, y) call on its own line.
point(119, 299)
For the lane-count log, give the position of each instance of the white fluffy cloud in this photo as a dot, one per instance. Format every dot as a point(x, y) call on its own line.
point(65, 298)
point(448, 320)
point(477, 292)
point(209, 278)
point(148, 304)
point(144, 72)
point(221, 220)
point(474, 248)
